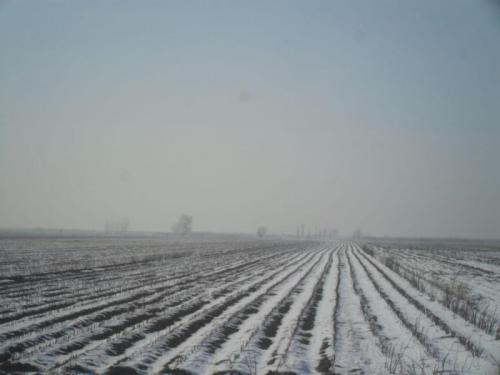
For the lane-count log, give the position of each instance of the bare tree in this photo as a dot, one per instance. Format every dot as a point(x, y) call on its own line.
point(183, 225)
point(261, 231)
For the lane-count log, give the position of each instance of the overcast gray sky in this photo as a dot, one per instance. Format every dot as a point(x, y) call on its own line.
point(337, 114)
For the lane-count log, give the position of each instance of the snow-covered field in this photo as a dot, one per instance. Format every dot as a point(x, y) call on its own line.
point(240, 305)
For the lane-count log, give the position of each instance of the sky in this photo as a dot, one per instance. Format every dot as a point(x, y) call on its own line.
point(382, 115)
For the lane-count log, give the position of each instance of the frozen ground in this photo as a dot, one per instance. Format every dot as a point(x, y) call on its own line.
point(238, 305)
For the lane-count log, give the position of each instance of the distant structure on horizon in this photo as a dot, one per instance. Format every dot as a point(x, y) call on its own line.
point(116, 226)
point(321, 234)
point(358, 234)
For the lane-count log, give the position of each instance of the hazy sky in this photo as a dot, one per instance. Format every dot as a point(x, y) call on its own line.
point(337, 114)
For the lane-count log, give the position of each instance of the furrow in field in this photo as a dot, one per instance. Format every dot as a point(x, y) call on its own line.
point(110, 322)
point(441, 331)
point(89, 322)
point(243, 350)
point(322, 335)
point(183, 323)
point(356, 347)
point(118, 336)
point(105, 323)
point(91, 289)
point(398, 337)
point(451, 289)
point(12, 328)
point(290, 353)
point(15, 329)
point(192, 341)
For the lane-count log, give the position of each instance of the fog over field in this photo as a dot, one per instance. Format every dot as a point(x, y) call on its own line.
point(230, 187)
point(333, 114)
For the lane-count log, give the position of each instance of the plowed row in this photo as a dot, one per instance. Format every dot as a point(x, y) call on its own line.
point(249, 307)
